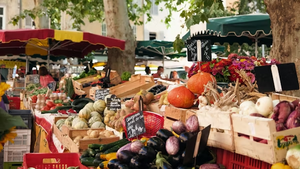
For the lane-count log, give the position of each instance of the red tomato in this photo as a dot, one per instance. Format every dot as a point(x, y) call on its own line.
point(49, 103)
point(33, 101)
point(46, 108)
point(34, 97)
point(52, 108)
point(59, 104)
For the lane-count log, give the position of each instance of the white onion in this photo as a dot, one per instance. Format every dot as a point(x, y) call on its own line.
point(264, 106)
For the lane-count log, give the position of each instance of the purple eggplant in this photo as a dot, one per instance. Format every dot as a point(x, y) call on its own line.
point(178, 127)
point(293, 119)
point(192, 124)
point(136, 146)
point(126, 147)
point(172, 145)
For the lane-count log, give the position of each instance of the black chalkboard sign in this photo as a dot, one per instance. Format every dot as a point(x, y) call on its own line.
point(135, 124)
point(52, 86)
point(192, 50)
point(113, 103)
point(100, 94)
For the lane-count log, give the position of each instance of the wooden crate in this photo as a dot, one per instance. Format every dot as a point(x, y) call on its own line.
point(264, 128)
point(221, 133)
point(173, 114)
point(78, 85)
point(68, 143)
point(130, 88)
point(277, 96)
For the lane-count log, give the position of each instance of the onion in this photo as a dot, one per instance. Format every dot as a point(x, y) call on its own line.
point(247, 108)
point(264, 106)
point(178, 127)
point(192, 124)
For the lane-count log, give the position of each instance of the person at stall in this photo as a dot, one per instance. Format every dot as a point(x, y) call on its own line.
point(45, 77)
point(160, 71)
point(147, 70)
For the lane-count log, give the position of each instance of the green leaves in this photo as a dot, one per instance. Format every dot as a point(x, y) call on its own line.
point(8, 121)
point(178, 44)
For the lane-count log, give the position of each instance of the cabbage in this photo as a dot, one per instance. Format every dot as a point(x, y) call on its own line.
point(293, 157)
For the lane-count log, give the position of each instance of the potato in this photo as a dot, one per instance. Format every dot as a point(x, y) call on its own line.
point(89, 132)
point(112, 118)
point(86, 137)
point(112, 136)
point(94, 134)
point(106, 119)
point(101, 135)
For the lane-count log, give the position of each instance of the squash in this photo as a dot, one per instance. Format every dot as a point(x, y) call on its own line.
point(181, 97)
point(69, 120)
point(97, 125)
point(94, 113)
point(197, 82)
point(89, 107)
point(280, 166)
point(80, 125)
point(94, 119)
point(84, 113)
point(99, 106)
point(60, 122)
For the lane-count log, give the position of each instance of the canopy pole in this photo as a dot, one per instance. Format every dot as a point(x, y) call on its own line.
point(256, 51)
point(27, 65)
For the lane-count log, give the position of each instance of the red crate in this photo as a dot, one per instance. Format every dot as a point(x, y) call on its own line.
point(14, 103)
point(236, 161)
point(63, 160)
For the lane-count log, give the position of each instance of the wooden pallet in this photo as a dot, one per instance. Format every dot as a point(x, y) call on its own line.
point(255, 127)
point(78, 85)
point(221, 133)
point(173, 114)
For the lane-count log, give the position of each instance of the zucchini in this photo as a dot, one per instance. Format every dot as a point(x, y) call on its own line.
point(97, 162)
point(97, 156)
point(56, 109)
point(94, 146)
point(85, 154)
point(78, 104)
point(116, 148)
point(105, 147)
point(87, 161)
point(92, 152)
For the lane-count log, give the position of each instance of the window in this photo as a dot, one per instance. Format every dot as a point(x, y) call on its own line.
point(104, 33)
point(2, 19)
point(154, 8)
point(152, 35)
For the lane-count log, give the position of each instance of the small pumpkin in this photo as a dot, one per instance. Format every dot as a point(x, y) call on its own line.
point(197, 82)
point(94, 113)
point(94, 119)
point(181, 97)
point(99, 106)
point(80, 125)
point(59, 123)
point(84, 113)
point(89, 107)
point(69, 120)
point(98, 124)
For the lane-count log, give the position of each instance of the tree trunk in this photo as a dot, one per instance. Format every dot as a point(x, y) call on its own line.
point(285, 25)
point(41, 22)
point(118, 26)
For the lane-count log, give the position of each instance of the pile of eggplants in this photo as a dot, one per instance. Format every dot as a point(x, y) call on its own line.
point(163, 151)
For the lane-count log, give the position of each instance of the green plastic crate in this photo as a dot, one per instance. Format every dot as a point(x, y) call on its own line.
point(12, 165)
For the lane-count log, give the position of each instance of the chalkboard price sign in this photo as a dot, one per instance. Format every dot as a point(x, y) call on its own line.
point(135, 124)
point(113, 103)
point(204, 50)
point(100, 94)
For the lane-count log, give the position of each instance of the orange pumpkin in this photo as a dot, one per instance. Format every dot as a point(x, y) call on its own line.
point(181, 97)
point(197, 82)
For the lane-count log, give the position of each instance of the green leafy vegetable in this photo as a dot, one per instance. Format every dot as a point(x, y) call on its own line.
point(125, 76)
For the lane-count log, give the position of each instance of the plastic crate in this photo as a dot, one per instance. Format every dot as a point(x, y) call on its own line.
point(235, 161)
point(52, 161)
point(14, 103)
point(23, 139)
point(12, 165)
point(15, 154)
point(25, 115)
point(153, 123)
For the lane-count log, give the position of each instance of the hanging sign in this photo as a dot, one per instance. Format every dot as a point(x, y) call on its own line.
point(52, 86)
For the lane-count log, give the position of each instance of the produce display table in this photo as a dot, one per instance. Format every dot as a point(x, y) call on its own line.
point(46, 141)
